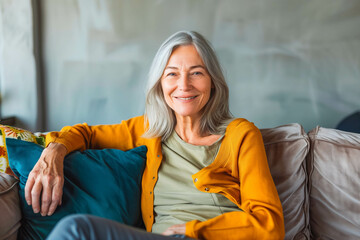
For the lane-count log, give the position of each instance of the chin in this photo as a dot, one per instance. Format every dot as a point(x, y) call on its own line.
point(186, 114)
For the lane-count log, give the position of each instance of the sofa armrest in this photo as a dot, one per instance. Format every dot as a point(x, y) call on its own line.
point(10, 212)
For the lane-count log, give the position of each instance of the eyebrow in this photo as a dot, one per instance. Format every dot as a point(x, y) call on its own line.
point(192, 67)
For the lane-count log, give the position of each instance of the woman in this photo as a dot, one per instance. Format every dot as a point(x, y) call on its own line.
point(206, 174)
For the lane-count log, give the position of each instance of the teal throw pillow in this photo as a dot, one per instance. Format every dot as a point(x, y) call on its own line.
point(105, 183)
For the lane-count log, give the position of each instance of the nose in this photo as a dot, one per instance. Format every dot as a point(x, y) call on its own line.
point(184, 83)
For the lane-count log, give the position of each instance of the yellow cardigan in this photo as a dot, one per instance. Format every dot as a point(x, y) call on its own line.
point(240, 172)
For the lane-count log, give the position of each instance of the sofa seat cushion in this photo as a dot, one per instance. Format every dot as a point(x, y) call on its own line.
point(10, 214)
point(334, 184)
point(105, 183)
point(286, 148)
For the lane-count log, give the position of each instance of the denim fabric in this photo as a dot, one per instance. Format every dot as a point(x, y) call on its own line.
point(179, 236)
point(88, 227)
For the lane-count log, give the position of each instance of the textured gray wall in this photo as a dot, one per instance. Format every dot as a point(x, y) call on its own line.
point(17, 63)
point(285, 60)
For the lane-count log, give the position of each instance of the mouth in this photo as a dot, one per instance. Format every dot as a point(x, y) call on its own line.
point(186, 98)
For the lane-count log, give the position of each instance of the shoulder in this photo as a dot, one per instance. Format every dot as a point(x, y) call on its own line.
point(241, 128)
point(135, 126)
point(241, 124)
point(138, 121)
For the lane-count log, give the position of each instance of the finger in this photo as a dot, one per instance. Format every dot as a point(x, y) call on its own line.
point(168, 232)
point(56, 198)
point(52, 207)
point(175, 229)
point(28, 187)
point(46, 198)
point(35, 196)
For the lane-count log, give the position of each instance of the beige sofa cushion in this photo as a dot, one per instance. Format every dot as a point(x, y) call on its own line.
point(334, 184)
point(10, 213)
point(286, 148)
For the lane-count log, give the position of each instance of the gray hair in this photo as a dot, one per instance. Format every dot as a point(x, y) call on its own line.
point(160, 117)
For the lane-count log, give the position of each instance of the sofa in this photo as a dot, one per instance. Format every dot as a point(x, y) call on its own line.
point(317, 175)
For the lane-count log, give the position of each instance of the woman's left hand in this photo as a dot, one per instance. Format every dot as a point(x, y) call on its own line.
point(175, 229)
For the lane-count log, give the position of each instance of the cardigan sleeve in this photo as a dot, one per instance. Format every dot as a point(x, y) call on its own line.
point(250, 186)
point(123, 136)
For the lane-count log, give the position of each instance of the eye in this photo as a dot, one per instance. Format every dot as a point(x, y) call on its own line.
point(197, 73)
point(171, 74)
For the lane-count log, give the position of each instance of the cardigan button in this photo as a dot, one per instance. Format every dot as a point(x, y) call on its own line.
point(195, 180)
point(206, 189)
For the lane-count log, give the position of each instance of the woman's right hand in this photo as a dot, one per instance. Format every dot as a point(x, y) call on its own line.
point(44, 187)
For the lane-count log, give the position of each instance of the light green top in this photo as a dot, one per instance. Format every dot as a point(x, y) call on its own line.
point(176, 199)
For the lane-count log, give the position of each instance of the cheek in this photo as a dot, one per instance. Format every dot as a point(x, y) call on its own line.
point(167, 88)
point(208, 89)
point(165, 92)
point(163, 88)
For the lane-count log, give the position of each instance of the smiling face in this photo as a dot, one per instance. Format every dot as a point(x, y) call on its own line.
point(186, 84)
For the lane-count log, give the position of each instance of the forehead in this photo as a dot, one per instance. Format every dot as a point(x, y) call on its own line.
point(186, 54)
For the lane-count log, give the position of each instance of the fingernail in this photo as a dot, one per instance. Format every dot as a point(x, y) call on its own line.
point(28, 203)
point(36, 210)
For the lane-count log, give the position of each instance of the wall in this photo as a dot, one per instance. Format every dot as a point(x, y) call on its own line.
point(285, 60)
point(18, 76)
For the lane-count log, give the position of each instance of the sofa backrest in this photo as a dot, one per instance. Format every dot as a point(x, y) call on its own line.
point(317, 176)
point(334, 184)
point(287, 147)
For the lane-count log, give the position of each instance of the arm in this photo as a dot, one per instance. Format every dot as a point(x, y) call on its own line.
point(250, 186)
point(46, 180)
point(122, 136)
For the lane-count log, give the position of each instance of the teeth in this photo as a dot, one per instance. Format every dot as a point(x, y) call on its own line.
point(188, 98)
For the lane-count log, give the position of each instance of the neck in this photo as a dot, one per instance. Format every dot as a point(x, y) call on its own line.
point(188, 130)
point(187, 127)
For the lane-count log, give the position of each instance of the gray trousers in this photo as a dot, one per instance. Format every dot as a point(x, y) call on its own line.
point(88, 227)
